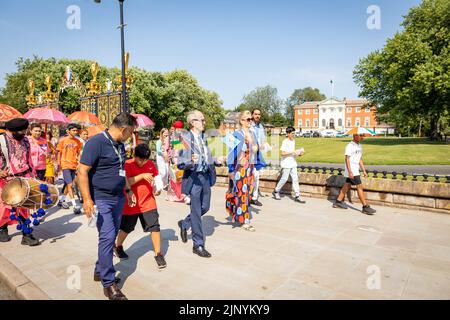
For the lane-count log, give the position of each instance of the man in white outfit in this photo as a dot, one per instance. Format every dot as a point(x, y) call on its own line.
point(289, 165)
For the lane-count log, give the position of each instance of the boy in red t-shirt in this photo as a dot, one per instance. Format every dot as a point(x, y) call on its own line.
point(140, 172)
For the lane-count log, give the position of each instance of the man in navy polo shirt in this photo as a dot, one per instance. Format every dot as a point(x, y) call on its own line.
point(102, 181)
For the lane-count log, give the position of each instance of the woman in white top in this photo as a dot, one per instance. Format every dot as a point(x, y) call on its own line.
point(289, 165)
point(162, 155)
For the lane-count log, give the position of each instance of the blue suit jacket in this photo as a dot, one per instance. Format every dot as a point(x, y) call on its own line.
point(190, 168)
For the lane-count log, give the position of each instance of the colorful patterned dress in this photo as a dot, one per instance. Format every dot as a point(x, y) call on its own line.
point(240, 190)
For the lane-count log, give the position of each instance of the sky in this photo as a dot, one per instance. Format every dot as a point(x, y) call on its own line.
point(230, 46)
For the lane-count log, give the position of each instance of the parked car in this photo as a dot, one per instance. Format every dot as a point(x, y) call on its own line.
point(307, 135)
point(298, 134)
point(330, 133)
point(341, 135)
point(316, 134)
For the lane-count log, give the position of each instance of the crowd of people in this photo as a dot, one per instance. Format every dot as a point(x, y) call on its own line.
point(115, 192)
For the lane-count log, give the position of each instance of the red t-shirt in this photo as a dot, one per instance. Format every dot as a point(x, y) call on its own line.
point(143, 190)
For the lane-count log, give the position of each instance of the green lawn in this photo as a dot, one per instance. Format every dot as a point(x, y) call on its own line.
point(377, 151)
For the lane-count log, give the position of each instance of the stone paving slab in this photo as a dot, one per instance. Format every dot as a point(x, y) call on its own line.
point(299, 251)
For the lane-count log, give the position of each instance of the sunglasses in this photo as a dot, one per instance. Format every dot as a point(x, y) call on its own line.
point(202, 120)
point(248, 119)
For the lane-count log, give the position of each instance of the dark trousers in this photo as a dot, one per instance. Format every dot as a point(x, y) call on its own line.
point(108, 223)
point(200, 201)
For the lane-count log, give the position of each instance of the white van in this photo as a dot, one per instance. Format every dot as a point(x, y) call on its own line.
point(329, 133)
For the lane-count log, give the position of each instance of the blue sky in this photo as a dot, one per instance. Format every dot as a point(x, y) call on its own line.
point(230, 46)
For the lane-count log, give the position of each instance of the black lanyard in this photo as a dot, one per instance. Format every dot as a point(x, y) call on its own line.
point(116, 150)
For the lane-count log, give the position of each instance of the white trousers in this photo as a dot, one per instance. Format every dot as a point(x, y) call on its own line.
point(284, 178)
point(255, 184)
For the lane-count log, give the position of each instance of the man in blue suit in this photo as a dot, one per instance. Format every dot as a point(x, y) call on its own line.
point(198, 178)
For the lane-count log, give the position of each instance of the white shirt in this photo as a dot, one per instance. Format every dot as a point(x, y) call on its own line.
point(288, 162)
point(354, 151)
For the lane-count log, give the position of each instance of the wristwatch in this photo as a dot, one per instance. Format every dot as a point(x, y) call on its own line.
point(127, 190)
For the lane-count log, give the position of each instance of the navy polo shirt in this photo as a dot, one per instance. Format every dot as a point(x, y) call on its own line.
point(105, 183)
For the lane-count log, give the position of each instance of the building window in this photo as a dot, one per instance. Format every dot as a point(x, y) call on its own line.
point(307, 111)
point(349, 123)
point(349, 110)
point(358, 109)
point(300, 112)
point(367, 122)
point(307, 123)
point(324, 123)
point(316, 123)
point(357, 122)
point(299, 123)
point(339, 122)
point(367, 110)
point(316, 111)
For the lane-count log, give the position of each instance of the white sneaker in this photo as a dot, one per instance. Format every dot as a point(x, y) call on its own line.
point(276, 195)
point(187, 200)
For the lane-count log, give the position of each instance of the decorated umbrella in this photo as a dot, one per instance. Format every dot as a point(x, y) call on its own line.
point(94, 130)
point(46, 116)
point(361, 131)
point(143, 121)
point(7, 113)
point(84, 118)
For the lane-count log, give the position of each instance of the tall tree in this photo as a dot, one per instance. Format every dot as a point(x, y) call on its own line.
point(298, 97)
point(266, 98)
point(409, 77)
point(165, 97)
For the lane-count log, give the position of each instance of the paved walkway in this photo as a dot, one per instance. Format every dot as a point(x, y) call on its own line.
point(5, 292)
point(308, 251)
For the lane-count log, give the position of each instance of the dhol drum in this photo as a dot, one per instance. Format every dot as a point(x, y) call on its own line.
point(26, 193)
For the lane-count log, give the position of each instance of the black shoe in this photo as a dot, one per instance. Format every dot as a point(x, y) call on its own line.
point(256, 203)
point(76, 211)
point(183, 232)
point(4, 236)
point(368, 210)
point(120, 253)
point(340, 205)
point(113, 293)
point(297, 199)
point(29, 240)
point(201, 251)
point(160, 261)
point(97, 278)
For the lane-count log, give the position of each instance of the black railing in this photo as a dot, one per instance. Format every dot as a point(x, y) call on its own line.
point(376, 174)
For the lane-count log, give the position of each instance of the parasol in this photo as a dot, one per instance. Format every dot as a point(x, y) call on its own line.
point(143, 121)
point(46, 116)
point(7, 113)
point(361, 131)
point(84, 118)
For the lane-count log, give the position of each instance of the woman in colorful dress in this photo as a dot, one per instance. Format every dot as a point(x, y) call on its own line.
point(51, 158)
point(241, 162)
point(38, 150)
point(174, 174)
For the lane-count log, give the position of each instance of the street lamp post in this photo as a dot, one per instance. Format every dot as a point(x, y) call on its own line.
point(122, 42)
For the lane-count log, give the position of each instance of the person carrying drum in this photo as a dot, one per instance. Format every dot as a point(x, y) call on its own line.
point(15, 162)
